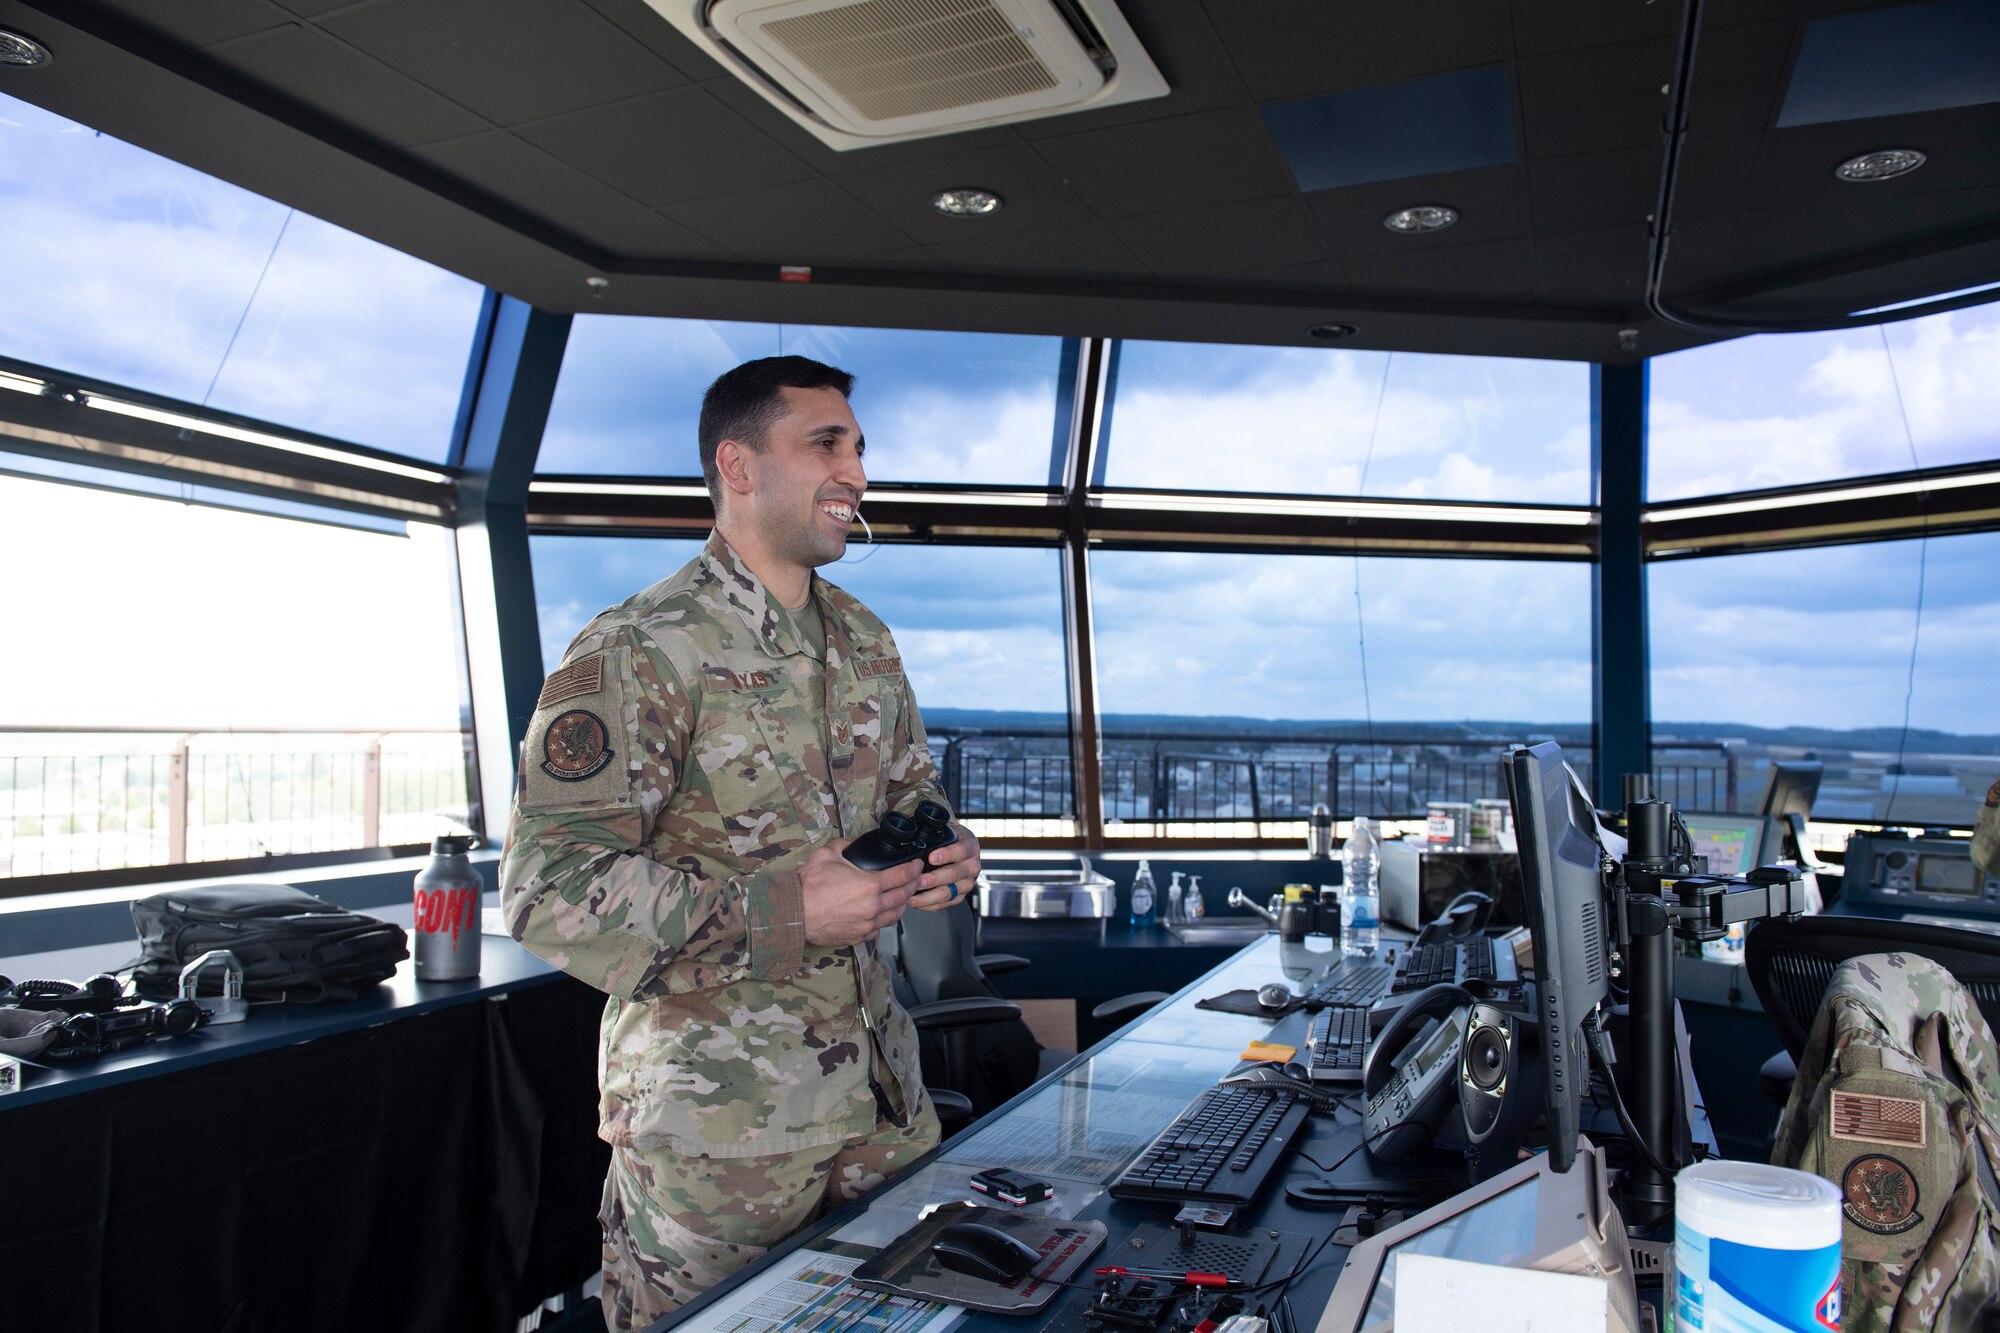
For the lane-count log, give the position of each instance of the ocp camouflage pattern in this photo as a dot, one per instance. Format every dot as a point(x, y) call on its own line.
point(1896, 1102)
point(668, 873)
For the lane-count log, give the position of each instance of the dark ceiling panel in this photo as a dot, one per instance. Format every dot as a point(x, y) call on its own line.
point(1605, 266)
point(1035, 196)
point(1737, 73)
point(1392, 131)
point(1714, 174)
point(1224, 238)
point(640, 233)
point(668, 147)
point(1797, 164)
point(1588, 101)
point(200, 22)
point(509, 60)
point(1298, 48)
point(1318, 275)
point(1489, 269)
point(1592, 189)
point(314, 8)
point(1781, 238)
point(1186, 161)
point(1545, 26)
point(1087, 249)
point(1699, 255)
point(1490, 204)
point(344, 85)
point(638, 19)
point(499, 163)
point(1891, 62)
point(763, 224)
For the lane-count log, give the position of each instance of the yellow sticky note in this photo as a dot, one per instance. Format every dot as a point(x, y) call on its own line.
point(1265, 1050)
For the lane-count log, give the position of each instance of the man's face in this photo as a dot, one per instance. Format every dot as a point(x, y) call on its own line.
point(808, 479)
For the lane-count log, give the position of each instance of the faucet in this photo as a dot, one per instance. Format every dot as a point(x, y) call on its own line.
point(1239, 900)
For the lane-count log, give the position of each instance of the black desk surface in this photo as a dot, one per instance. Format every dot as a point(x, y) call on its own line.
point(504, 966)
point(1078, 1128)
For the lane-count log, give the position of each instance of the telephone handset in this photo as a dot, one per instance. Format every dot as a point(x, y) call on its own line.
point(1463, 918)
point(1409, 1085)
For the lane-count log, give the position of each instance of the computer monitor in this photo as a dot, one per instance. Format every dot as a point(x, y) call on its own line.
point(1563, 893)
point(1733, 844)
point(1525, 1217)
point(1793, 786)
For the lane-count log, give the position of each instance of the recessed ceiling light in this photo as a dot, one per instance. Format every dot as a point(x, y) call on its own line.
point(1331, 332)
point(1881, 165)
point(1423, 217)
point(17, 48)
point(966, 202)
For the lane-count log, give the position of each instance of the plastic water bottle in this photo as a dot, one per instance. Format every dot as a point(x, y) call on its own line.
point(1361, 901)
point(1142, 896)
point(1174, 908)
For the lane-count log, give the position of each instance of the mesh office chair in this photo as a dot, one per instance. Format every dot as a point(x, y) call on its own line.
point(973, 1041)
point(1791, 962)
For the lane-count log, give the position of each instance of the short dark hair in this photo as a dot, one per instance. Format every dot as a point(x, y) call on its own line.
point(743, 404)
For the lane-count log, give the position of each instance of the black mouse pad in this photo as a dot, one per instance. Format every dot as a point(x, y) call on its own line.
point(906, 1266)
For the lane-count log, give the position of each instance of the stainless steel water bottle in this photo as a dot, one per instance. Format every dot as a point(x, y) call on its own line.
point(447, 924)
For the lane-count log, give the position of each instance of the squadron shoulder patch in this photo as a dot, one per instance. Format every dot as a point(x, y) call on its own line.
point(576, 679)
point(575, 746)
point(1880, 1195)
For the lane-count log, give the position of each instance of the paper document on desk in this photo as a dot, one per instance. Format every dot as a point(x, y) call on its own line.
point(1439, 1295)
point(810, 1290)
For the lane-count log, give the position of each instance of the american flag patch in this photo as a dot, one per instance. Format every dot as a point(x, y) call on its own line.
point(1861, 1118)
point(584, 677)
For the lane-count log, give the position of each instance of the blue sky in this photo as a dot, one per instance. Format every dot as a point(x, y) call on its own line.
point(133, 269)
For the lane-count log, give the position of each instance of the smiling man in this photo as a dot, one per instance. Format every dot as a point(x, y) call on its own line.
point(692, 771)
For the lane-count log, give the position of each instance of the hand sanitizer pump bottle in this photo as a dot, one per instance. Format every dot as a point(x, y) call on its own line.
point(1196, 910)
point(1142, 896)
point(1176, 911)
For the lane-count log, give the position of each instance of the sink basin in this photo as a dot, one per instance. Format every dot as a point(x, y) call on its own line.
point(1218, 932)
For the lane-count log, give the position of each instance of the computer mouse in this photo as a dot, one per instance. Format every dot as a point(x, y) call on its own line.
point(1274, 996)
point(980, 1250)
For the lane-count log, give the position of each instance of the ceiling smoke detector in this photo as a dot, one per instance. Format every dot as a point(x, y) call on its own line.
point(862, 72)
point(1881, 165)
point(21, 51)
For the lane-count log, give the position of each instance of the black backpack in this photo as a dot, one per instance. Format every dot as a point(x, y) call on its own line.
point(292, 945)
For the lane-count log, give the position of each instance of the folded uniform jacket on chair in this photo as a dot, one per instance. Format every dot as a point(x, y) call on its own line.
point(292, 945)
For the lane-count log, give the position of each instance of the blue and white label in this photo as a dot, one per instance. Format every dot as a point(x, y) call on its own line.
point(1724, 1286)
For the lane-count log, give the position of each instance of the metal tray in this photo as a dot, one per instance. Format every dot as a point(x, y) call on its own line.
point(1064, 892)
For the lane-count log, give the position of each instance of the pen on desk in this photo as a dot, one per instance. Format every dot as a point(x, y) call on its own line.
point(1184, 1278)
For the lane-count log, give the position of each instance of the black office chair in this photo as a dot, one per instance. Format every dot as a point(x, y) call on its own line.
point(974, 1042)
point(1791, 962)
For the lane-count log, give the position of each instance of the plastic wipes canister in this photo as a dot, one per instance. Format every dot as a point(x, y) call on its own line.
point(1756, 1248)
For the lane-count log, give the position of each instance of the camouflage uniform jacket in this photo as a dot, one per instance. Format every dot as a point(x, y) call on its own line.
point(1896, 1100)
point(670, 791)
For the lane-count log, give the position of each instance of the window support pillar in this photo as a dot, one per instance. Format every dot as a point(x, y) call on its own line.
point(1086, 757)
point(1621, 711)
point(509, 384)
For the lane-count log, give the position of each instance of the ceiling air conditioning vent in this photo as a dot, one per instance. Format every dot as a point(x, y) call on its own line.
point(862, 72)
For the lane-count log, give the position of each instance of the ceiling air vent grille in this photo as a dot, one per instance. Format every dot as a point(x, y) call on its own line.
point(894, 58)
point(862, 72)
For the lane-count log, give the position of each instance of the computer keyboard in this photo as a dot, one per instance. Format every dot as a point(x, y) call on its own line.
point(1354, 982)
point(1338, 1040)
point(1472, 960)
point(1221, 1149)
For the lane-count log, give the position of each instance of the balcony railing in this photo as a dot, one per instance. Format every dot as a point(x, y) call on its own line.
point(1206, 778)
point(75, 801)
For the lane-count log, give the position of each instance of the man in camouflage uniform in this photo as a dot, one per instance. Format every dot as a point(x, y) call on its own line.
point(1896, 1099)
point(692, 770)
